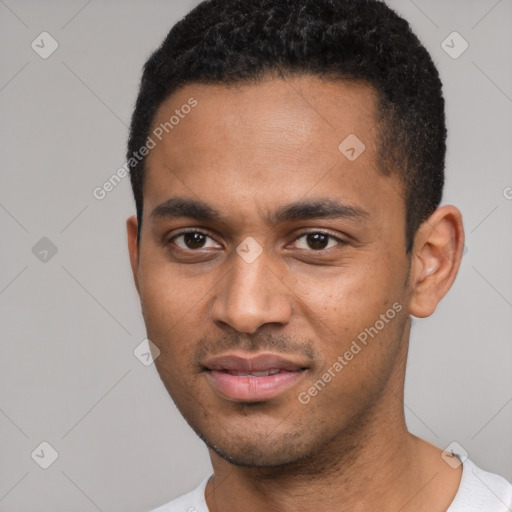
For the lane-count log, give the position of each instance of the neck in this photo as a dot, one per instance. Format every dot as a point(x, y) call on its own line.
point(347, 477)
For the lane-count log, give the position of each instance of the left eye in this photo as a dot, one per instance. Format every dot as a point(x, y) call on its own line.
point(318, 241)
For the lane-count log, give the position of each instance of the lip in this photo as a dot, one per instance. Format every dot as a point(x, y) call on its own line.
point(225, 373)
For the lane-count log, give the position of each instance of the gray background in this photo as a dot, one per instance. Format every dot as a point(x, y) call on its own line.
point(68, 375)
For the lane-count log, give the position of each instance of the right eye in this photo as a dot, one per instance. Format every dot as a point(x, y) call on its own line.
point(191, 240)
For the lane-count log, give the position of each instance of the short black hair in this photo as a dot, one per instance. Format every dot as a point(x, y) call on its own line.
point(230, 41)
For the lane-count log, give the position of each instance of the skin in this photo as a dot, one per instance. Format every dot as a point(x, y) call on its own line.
point(247, 151)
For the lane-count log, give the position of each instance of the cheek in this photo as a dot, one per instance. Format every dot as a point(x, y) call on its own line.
point(348, 297)
point(166, 305)
point(163, 290)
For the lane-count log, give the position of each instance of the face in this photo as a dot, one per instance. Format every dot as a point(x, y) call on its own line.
point(272, 266)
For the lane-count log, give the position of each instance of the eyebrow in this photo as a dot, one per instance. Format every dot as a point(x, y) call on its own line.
point(321, 208)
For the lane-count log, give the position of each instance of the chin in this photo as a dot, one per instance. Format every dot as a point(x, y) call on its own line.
point(259, 450)
point(254, 457)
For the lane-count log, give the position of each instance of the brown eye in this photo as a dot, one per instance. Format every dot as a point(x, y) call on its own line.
point(318, 241)
point(191, 240)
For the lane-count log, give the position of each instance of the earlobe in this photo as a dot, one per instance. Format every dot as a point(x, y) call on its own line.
point(437, 254)
point(133, 248)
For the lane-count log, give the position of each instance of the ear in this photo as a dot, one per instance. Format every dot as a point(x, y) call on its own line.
point(437, 254)
point(133, 248)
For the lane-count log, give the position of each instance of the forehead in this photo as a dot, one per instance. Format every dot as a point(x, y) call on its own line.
point(306, 112)
point(266, 140)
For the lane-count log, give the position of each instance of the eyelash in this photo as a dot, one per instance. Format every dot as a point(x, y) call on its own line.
point(301, 235)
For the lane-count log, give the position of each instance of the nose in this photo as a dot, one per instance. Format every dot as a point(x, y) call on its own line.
point(251, 295)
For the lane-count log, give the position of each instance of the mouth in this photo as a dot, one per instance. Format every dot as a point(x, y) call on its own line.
point(253, 378)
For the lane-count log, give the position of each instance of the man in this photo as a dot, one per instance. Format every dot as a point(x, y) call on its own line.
point(288, 165)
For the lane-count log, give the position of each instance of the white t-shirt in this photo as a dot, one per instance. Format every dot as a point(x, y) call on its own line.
point(479, 491)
